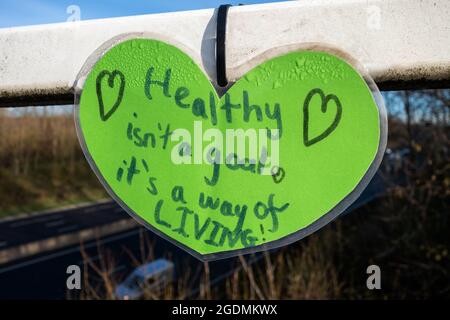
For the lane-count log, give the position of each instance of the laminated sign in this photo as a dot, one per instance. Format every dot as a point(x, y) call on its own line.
point(281, 153)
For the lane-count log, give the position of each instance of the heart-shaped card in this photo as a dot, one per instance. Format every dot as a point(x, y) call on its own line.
point(286, 149)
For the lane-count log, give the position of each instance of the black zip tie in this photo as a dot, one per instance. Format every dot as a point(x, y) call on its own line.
point(220, 44)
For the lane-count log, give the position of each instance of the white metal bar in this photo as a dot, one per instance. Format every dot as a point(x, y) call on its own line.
point(401, 42)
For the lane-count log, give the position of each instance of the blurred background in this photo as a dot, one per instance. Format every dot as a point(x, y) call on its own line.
point(54, 212)
point(401, 223)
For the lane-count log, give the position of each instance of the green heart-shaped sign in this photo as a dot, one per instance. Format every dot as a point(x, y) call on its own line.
point(284, 151)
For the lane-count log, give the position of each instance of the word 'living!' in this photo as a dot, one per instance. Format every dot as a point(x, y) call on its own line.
point(215, 150)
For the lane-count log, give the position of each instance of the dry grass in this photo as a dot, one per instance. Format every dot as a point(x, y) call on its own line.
point(41, 163)
point(405, 233)
point(307, 272)
point(30, 140)
point(100, 276)
point(304, 272)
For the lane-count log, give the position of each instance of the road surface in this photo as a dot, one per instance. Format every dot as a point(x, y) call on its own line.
point(43, 276)
point(42, 226)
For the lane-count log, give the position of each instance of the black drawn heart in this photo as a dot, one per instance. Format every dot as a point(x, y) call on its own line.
point(111, 79)
point(306, 120)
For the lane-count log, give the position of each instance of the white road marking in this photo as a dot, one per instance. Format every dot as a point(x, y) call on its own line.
point(53, 217)
point(69, 228)
point(26, 222)
point(55, 223)
point(99, 207)
point(107, 205)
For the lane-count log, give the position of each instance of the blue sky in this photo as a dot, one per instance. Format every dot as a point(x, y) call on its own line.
point(31, 12)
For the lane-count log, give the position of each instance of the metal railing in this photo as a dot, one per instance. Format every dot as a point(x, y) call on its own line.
point(402, 43)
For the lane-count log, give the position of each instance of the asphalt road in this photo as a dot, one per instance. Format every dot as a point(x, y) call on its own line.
point(42, 226)
point(44, 276)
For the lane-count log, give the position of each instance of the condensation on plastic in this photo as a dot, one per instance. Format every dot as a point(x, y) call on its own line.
point(319, 223)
